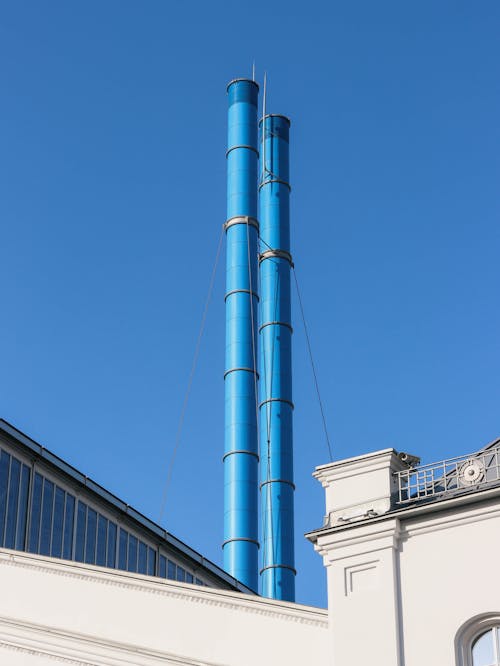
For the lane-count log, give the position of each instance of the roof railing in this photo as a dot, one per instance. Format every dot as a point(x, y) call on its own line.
point(450, 476)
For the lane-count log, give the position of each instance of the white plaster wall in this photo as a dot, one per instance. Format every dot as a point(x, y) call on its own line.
point(401, 587)
point(363, 608)
point(52, 610)
point(450, 569)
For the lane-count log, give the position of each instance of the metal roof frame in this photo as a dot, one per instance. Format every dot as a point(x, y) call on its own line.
point(53, 460)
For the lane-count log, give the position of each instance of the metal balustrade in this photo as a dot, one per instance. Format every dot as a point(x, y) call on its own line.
point(448, 476)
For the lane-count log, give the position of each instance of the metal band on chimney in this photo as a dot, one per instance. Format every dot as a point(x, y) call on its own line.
point(275, 180)
point(279, 254)
point(241, 539)
point(228, 372)
point(279, 566)
point(231, 453)
point(242, 146)
point(276, 323)
point(242, 219)
point(290, 483)
point(241, 291)
point(287, 402)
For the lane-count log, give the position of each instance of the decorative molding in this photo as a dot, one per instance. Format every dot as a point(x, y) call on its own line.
point(361, 577)
point(456, 518)
point(116, 578)
point(45, 655)
point(80, 649)
point(469, 631)
point(358, 540)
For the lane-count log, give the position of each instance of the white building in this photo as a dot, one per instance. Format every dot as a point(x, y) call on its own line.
point(411, 556)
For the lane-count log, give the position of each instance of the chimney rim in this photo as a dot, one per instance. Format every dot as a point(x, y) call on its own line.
point(241, 80)
point(276, 115)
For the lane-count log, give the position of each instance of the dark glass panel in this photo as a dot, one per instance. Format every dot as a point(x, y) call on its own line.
point(4, 482)
point(122, 550)
point(199, 582)
point(68, 527)
point(91, 536)
point(111, 558)
point(142, 566)
point(58, 524)
point(151, 562)
point(189, 577)
point(15, 476)
point(172, 570)
point(102, 533)
point(23, 508)
point(36, 509)
point(181, 574)
point(81, 523)
point(47, 509)
point(132, 553)
point(163, 566)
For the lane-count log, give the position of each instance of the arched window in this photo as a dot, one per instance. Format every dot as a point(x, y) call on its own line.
point(477, 642)
point(486, 648)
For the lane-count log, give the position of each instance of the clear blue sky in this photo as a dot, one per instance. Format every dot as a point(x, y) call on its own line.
point(112, 196)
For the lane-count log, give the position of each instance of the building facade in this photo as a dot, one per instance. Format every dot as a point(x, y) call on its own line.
point(410, 552)
point(412, 558)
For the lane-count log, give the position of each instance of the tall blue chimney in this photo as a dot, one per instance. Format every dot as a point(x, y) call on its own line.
point(242, 229)
point(276, 406)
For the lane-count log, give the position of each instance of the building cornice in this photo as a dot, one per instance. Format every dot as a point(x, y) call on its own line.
point(80, 649)
point(408, 513)
point(349, 467)
point(338, 545)
point(193, 593)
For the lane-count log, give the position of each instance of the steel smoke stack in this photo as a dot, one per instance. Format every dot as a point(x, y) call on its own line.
point(242, 228)
point(275, 368)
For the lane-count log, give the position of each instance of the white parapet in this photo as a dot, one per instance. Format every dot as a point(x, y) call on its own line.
point(57, 611)
point(360, 487)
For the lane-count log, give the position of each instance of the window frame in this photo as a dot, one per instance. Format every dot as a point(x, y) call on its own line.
point(72, 489)
point(469, 632)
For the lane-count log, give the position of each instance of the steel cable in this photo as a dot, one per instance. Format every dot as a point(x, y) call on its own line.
point(190, 379)
point(254, 354)
point(311, 359)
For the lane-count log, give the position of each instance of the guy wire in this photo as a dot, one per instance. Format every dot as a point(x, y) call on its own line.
point(190, 380)
point(312, 365)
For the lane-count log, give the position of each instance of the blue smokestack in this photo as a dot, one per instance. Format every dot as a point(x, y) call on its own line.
point(276, 407)
point(241, 455)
